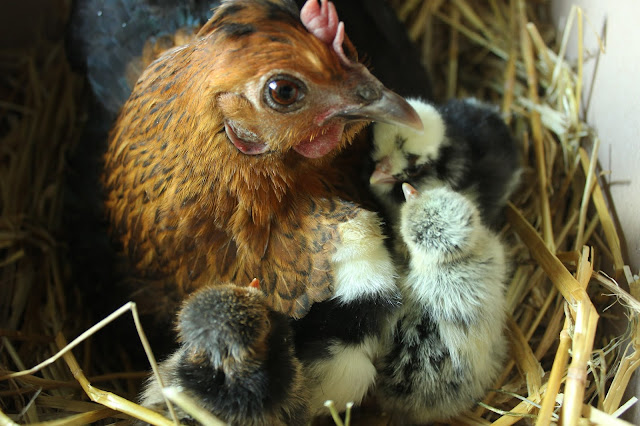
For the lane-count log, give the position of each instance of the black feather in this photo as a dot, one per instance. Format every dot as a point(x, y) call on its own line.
point(493, 155)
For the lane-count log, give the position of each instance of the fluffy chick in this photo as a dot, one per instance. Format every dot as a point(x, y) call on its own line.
point(465, 144)
point(447, 346)
point(235, 359)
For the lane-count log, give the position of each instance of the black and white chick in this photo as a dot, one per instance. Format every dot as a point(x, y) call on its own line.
point(465, 145)
point(447, 346)
point(235, 359)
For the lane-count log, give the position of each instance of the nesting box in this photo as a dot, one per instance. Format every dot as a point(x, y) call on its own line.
point(565, 84)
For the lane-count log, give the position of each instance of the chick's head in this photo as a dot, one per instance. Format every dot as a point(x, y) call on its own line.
point(403, 154)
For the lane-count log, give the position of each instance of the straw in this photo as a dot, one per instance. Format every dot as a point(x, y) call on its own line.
point(569, 273)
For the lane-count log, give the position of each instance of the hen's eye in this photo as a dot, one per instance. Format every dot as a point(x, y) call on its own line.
point(282, 92)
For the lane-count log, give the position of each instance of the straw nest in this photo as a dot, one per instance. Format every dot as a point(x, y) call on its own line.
point(567, 364)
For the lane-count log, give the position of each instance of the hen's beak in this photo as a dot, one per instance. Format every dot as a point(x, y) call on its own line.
point(367, 99)
point(388, 108)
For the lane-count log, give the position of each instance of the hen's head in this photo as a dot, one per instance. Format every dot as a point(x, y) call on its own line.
point(282, 82)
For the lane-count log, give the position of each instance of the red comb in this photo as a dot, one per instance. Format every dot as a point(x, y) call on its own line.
point(322, 21)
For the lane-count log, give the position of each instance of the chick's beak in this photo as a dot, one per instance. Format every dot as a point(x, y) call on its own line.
point(382, 173)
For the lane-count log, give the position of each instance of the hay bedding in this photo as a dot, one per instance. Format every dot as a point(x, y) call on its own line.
point(566, 366)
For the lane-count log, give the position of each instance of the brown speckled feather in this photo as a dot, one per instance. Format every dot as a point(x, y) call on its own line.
point(211, 179)
point(190, 209)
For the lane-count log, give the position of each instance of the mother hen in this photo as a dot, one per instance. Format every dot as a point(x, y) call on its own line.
point(225, 164)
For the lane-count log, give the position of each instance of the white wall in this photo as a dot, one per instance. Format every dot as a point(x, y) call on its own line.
point(614, 110)
point(614, 106)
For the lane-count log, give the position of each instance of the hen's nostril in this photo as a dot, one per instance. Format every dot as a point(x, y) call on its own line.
point(368, 93)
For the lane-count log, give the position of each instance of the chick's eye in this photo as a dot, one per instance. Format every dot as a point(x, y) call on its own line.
point(413, 171)
point(414, 168)
point(281, 93)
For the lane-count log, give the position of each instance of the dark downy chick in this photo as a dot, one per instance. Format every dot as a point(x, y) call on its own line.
point(235, 360)
point(465, 145)
point(447, 346)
